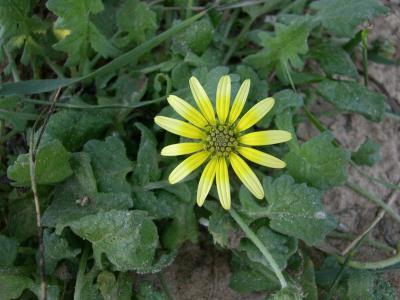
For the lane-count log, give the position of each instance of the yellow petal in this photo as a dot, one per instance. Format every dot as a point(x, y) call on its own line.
point(246, 175)
point(181, 149)
point(255, 114)
point(179, 127)
point(187, 111)
point(187, 166)
point(202, 100)
point(261, 158)
point(240, 101)
point(267, 137)
point(222, 178)
point(206, 181)
point(223, 98)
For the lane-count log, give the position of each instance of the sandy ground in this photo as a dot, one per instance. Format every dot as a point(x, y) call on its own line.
point(203, 274)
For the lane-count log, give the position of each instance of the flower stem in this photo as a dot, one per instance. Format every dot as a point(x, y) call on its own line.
point(392, 116)
point(81, 272)
point(380, 264)
point(253, 237)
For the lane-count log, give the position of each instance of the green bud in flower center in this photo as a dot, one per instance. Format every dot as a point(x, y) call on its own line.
point(221, 140)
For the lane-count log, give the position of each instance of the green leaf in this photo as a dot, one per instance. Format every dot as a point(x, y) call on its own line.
point(333, 59)
point(254, 11)
point(129, 90)
point(301, 265)
point(283, 49)
point(47, 85)
point(88, 289)
point(136, 21)
point(180, 76)
point(12, 286)
point(111, 288)
point(318, 162)
point(71, 203)
point(53, 290)
point(148, 292)
point(52, 165)
point(284, 121)
point(367, 285)
point(368, 153)
point(161, 205)
point(250, 277)
point(196, 38)
point(258, 88)
point(249, 206)
point(383, 289)
point(296, 210)
point(361, 286)
point(15, 113)
point(281, 247)
point(307, 280)
point(341, 17)
point(285, 99)
point(82, 168)
point(21, 222)
point(353, 97)
point(163, 261)
point(128, 238)
point(57, 248)
point(75, 16)
point(221, 225)
point(110, 164)
point(182, 228)
point(146, 169)
point(73, 128)
point(19, 27)
point(287, 293)
point(8, 251)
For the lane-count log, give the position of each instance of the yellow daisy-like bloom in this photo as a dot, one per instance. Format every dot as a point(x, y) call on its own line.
point(220, 141)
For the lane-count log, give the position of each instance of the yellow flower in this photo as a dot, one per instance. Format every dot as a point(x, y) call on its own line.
point(220, 141)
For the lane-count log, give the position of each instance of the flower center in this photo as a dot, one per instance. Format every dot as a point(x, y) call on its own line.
point(221, 140)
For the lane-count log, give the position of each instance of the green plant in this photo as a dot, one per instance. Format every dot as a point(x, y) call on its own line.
point(85, 203)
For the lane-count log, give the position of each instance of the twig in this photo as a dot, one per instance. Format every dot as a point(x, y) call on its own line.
point(33, 149)
point(372, 242)
point(381, 214)
point(32, 165)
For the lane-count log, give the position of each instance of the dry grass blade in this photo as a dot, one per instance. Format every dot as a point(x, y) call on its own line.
point(33, 148)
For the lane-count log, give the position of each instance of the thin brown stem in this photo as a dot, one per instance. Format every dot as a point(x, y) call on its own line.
point(33, 149)
point(32, 165)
